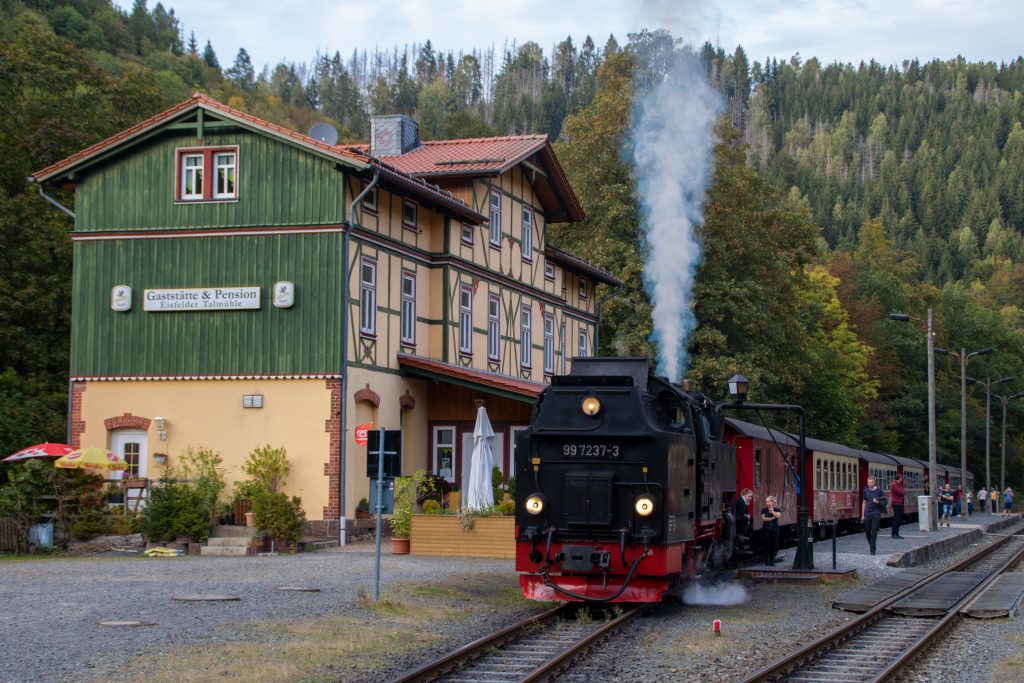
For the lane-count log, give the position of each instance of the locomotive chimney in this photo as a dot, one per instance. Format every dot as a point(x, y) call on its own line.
point(687, 384)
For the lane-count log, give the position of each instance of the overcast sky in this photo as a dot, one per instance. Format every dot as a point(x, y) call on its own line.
point(889, 31)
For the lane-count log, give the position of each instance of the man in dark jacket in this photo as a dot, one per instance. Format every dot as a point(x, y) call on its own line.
point(871, 506)
point(898, 498)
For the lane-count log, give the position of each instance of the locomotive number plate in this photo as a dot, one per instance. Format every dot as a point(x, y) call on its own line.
point(591, 450)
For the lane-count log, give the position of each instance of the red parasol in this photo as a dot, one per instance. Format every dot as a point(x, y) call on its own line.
point(40, 450)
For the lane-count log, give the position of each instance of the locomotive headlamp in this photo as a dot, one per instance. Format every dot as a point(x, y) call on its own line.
point(534, 504)
point(591, 406)
point(644, 506)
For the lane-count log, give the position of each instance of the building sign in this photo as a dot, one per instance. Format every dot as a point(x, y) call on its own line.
point(362, 432)
point(121, 298)
point(209, 299)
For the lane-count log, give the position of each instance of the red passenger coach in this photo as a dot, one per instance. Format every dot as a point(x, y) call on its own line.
point(834, 491)
point(765, 461)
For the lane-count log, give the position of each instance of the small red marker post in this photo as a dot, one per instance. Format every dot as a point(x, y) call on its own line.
point(716, 627)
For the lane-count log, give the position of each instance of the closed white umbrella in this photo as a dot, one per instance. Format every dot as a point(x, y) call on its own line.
point(479, 492)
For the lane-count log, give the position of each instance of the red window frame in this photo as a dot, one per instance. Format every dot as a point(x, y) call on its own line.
point(209, 172)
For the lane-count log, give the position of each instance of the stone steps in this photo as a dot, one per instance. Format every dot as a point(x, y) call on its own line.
point(233, 531)
point(224, 551)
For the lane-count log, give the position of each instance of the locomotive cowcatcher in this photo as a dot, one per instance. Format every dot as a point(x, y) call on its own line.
point(620, 482)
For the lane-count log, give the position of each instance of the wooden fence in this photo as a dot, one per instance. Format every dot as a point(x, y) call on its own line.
point(8, 534)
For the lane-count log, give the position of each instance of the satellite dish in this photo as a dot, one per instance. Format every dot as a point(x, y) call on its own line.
point(324, 132)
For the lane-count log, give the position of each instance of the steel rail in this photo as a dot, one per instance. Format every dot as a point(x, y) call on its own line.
point(565, 658)
point(786, 664)
point(438, 667)
point(946, 621)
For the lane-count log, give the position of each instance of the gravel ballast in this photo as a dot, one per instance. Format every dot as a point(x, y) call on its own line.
point(51, 609)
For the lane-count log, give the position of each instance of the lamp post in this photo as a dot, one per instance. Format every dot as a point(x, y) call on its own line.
point(932, 438)
point(738, 386)
point(964, 357)
point(989, 383)
point(1002, 462)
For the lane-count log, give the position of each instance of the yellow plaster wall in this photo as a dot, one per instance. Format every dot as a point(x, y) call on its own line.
point(209, 414)
point(413, 424)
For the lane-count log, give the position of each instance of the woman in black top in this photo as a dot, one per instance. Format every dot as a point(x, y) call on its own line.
point(770, 525)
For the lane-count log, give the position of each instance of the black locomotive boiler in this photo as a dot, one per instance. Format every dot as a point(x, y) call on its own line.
point(620, 482)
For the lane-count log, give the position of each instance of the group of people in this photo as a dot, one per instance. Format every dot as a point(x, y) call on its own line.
point(770, 515)
point(874, 503)
point(993, 497)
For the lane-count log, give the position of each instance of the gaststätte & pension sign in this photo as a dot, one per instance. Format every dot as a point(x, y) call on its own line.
point(206, 299)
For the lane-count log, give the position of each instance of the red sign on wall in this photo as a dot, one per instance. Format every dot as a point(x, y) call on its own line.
point(362, 432)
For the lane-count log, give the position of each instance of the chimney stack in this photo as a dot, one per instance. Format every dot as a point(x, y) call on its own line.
point(393, 135)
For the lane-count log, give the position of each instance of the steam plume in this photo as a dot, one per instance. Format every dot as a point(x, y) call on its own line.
point(673, 137)
point(714, 594)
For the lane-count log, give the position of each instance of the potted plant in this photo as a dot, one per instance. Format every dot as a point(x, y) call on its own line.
point(401, 517)
point(363, 509)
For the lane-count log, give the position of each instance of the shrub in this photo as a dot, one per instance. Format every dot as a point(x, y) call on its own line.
point(278, 516)
point(203, 467)
point(177, 508)
point(507, 507)
point(91, 523)
point(407, 490)
point(431, 507)
point(268, 466)
point(363, 506)
point(24, 497)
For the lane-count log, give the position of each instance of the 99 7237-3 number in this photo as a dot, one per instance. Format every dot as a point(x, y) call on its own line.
point(591, 450)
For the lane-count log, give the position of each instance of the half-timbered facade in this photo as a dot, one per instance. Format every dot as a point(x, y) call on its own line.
point(238, 284)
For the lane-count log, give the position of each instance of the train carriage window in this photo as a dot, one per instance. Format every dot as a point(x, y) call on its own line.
point(757, 467)
point(832, 475)
point(842, 476)
point(817, 475)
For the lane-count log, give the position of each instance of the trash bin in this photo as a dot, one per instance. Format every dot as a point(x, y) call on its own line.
point(925, 514)
point(41, 535)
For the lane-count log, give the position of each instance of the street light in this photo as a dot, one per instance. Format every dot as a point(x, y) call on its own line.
point(963, 357)
point(932, 438)
point(1002, 463)
point(989, 383)
point(738, 386)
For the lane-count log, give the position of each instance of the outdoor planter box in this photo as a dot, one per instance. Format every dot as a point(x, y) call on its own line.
point(444, 535)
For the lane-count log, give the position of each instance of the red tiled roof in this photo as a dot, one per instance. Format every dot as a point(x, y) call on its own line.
point(490, 380)
point(466, 156)
point(345, 153)
point(196, 100)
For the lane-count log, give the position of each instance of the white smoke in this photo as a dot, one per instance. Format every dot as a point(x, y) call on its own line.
point(673, 139)
point(714, 594)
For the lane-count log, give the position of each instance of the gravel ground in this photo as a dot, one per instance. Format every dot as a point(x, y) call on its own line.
point(49, 631)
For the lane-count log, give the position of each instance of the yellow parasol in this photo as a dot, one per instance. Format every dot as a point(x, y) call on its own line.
point(96, 459)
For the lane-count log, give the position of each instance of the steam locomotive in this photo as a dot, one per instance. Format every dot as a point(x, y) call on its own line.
point(620, 481)
point(624, 482)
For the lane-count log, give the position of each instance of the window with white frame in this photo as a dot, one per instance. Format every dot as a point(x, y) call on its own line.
point(549, 343)
point(495, 218)
point(370, 199)
point(494, 327)
point(525, 337)
point(549, 271)
point(191, 176)
point(206, 174)
point(409, 211)
point(368, 296)
point(561, 345)
point(582, 344)
point(583, 288)
point(467, 233)
point(466, 319)
point(444, 453)
point(527, 234)
point(224, 164)
point(408, 307)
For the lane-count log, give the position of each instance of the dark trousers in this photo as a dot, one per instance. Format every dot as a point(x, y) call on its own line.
point(871, 524)
point(897, 519)
point(771, 544)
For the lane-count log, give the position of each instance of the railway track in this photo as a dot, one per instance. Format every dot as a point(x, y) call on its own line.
point(534, 649)
point(880, 642)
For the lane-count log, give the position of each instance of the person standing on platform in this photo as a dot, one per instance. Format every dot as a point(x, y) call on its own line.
point(871, 505)
point(1007, 500)
point(770, 525)
point(740, 512)
point(994, 497)
point(970, 502)
point(946, 505)
point(898, 498)
point(982, 500)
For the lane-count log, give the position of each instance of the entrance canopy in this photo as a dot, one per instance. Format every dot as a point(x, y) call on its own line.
point(480, 380)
